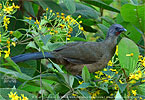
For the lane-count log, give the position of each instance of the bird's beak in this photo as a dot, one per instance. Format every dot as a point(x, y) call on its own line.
point(122, 30)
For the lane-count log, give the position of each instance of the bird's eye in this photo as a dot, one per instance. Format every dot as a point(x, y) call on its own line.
point(117, 28)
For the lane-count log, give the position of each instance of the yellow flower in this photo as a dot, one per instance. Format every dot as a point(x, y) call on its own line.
point(137, 76)
point(14, 44)
point(81, 28)
point(79, 16)
point(46, 9)
point(143, 81)
point(11, 95)
point(140, 98)
point(15, 6)
point(105, 69)
point(0, 5)
point(134, 92)
point(68, 35)
point(7, 53)
point(8, 42)
point(24, 98)
point(58, 16)
point(11, 32)
point(113, 70)
point(45, 17)
point(30, 18)
point(131, 54)
point(143, 62)
point(68, 38)
point(116, 52)
point(80, 22)
point(109, 76)
point(140, 56)
point(111, 81)
point(81, 82)
point(97, 77)
point(6, 20)
point(8, 9)
point(74, 94)
point(51, 33)
point(110, 63)
point(120, 81)
point(132, 81)
point(40, 27)
point(56, 31)
point(111, 94)
point(50, 11)
point(0, 52)
point(57, 13)
point(62, 14)
point(62, 26)
point(116, 87)
point(37, 22)
point(116, 72)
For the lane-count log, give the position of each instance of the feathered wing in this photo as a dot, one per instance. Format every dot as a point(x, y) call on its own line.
point(81, 52)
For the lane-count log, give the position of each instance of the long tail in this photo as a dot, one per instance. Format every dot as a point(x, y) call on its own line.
point(32, 56)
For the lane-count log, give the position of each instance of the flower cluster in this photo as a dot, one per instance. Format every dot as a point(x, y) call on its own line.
point(6, 9)
point(14, 96)
point(63, 25)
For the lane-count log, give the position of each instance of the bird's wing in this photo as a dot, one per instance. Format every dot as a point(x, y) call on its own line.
point(66, 46)
point(81, 52)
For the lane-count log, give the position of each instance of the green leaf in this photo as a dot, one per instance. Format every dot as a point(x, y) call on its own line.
point(17, 34)
point(15, 74)
point(53, 97)
point(101, 4)
point(134, 34)
point(134, 14)
point(85, 11)
point(59, 87)
point(14, 65)
point(52, 46)
point(109, 20)
point(45, 38)
point(69, 79)
point(70, 4)
point(104, 86)
point(85, 74)
point(31, 45)
point(118, 96)
point(125, 48)
point(50, 4)
point(85, 94)
point(29, 8)
point(107, 1)
point(103, 28)
point(121, 86)
point(141, 89)
point(29, 88)
point(84, 85)
point(1, 98)
point(18, 49)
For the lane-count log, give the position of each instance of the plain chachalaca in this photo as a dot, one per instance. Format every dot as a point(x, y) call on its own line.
point(74, 56)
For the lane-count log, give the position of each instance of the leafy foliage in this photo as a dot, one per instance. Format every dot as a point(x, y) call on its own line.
point(44, 25)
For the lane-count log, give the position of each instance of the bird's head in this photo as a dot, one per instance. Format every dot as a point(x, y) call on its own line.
point(115, 30)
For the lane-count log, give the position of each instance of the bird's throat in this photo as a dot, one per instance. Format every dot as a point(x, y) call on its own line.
point(117, 33)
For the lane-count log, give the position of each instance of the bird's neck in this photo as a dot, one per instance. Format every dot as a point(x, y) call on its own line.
point(111, 41)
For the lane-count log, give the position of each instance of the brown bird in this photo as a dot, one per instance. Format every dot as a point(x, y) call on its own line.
point(74, 56)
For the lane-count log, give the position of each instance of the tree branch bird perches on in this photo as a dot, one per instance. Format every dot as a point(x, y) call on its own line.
point(74, 56)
